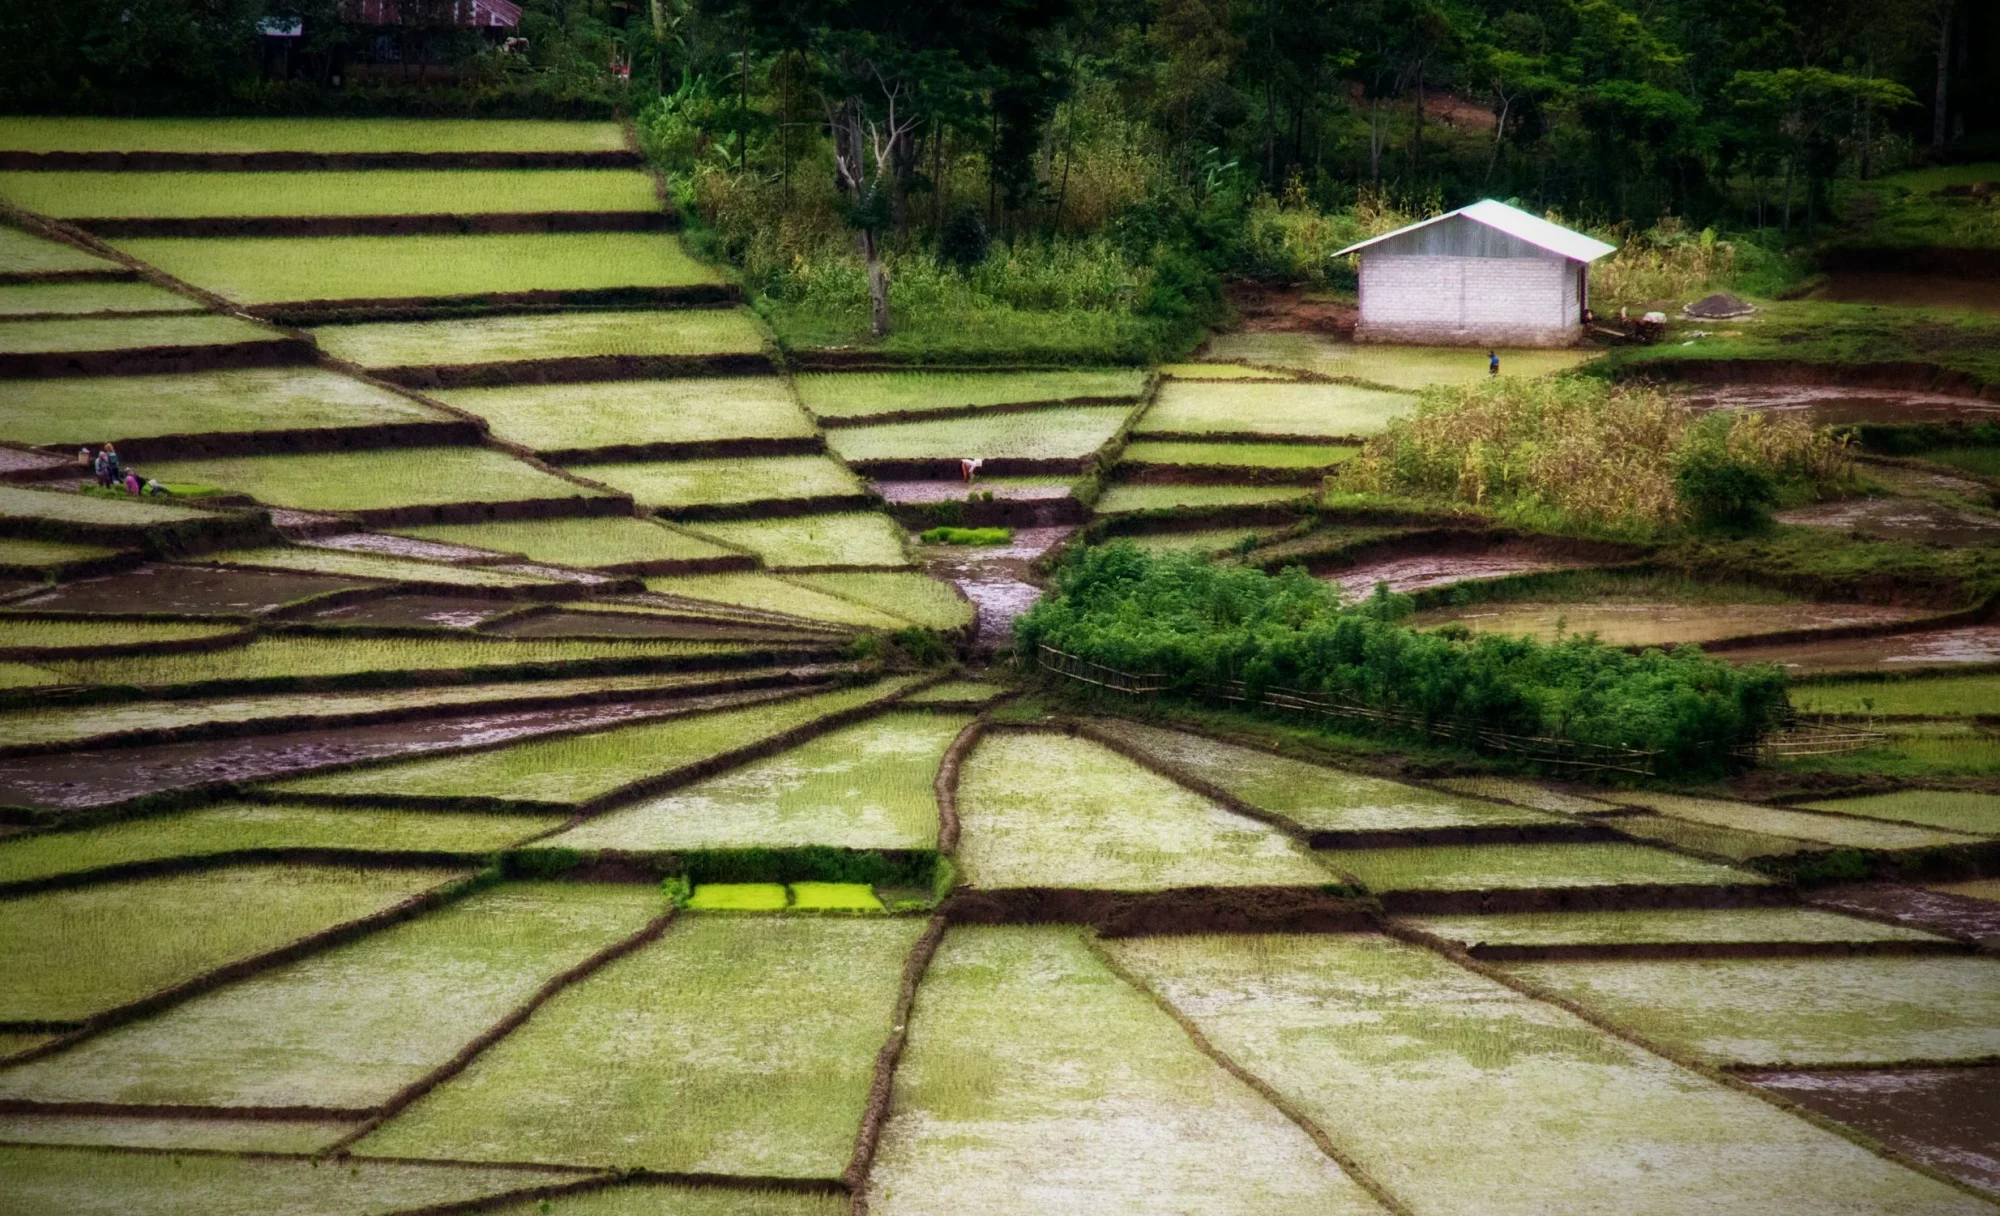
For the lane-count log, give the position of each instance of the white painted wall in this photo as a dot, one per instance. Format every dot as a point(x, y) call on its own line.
point(1468, 300)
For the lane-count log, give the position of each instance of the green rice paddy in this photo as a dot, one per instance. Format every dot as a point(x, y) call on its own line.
point(91, 410)
point(1955, 810)
point(687, 483)
point(346, 1028)
point(1945, 696)
point(1459, 1095)
point(1656, 623)
point(1125, 496)
point(911, 596)
point(1070, 433)
point(1392, 366)
point(768, 593)
point(214, 1135)
point(68, 954)
point(57, 506)
point(577, 768)
point(29, 633)
point(173, 195)
point(1528, 794)
point(743, 1046)
point(1516, 866)
point(739, 897)
point(23, 675)
point(1794, 1012)
point(17, 552)
point(391, 477)
point(835, 897)
point(241, 135)
point(1732, 844)
point(1198, 540)
point(859, 394)
point(567, 417)
point(611, 540)
point(233, 827)
point(1257, 455)
point(1266, 408)
point(1664, 925)
point(866, 786)
point(124, 333)
point(1035, 1079)
point(24, 299)
point(558, 335)
point(1799, 825)
point(25, 253)
point(1048, 810)
point(953, 691)
point(1312, 796)
point(372, 566)
point(269, 270)
point(851, 538)
point(666, 1199)
point(1221, 371)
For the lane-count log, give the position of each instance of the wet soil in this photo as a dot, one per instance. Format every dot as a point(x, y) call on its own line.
point(1660, 623)
point(414, 611)
point(402, 546)
point(77, 781)
point(955, 490)
point(1965, 644)
point(188, 589)
point(156, 360)
point(1947, 1118)
point(1418, 572)
point(1291, 310)
point(1188, 910)
point(1835, 405)
point(17, 465)
point(1908, 519)
point(998, 579)
point(1959, 916)
point(1910, 290)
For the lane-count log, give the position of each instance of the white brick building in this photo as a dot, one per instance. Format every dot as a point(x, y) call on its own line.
point(1484, 275)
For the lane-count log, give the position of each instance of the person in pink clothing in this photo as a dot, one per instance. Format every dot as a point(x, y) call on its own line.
point(131, 483)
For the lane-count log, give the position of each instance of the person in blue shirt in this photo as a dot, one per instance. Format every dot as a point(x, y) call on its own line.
point(1492, 362)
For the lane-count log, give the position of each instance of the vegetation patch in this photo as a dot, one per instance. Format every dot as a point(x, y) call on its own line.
point(666, 1199)
point(378, 480)
point(1048, 810)
point(1786, 1012)
point(1666, 926)
point(862, 394)
point(92, 513)
point(1255, 407)
point(745, 1045)
point(1834, 339)
point(1659, 622)
point(347, 1028)
point(1528, 866)
point(292, 1136)
point(1390, 365)
point(70, 954)
point(29, 633)
point(682, 484)
point(1125, 497)
point(954, 692)
point(238, 136)
point(1944, 697)
point(1528, 794)
point(1029, 1056)
point(967, 536)
point(1799, 825)
point(371, 565)
point(270, 270)
point(1956, 810)
point(914, 597)
point(739, 897)
point(636, 413)
point(1712, 840)
point(835, 897)
point(555, 335)
point(97, 195)
point(845, 539)
point(1519, 1107)
point(866, 786)
point(1221, 371)
point(607, 541)
point(1248, 455)
point(768, 593)
point(67, 334)
point(1069, 433)
point(32, 299)
point(23, 253)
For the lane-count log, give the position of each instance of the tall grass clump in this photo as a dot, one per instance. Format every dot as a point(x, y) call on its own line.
point(1589, 454)
point(1201, 623)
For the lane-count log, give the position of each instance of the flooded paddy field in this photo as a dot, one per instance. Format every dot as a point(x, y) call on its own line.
point(1965, 644)
point(1659, 623)
point(1423, 571)
point(1943, 1117)
point(1835, 405)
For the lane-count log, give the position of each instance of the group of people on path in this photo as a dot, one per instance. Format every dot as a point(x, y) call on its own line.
point(111, 472)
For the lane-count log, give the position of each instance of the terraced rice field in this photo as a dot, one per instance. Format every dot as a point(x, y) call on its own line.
point(727, 481)
point(1669, 926)
point(60, 508)
point(65, 334)
point(1123, 497)
point(364, 481)
point(576, 417)
point(563, 335)
point(862, 394)
point(1252, 455)
point(198, 403)
point(608, 541)
point(1660, 623)
point(1528, 866)
point(371, 566)
point(34, 299)
point(1838, 830)
point(236, 136)
point(1392, 366)
point(1947, 696)
point(912, 597)
point(1054, 434)
point(767, 593)
point(96, 195)
point(1265, 408)
point(805, 541)
point(1954, 810)
point(24, 253)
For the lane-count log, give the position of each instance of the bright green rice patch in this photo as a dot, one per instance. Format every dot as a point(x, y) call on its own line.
point(1526, 793)
point(371, 565)
point(120, 333)
point(391, 477)
point(1957, 810)
point(282, 657)
point(69, 954)
point(26, 632)
point(1674, 925)
point(93, 1182)
point(578, 768)
point(912, 596)
point(230, 827)
point(1797, 1011)
point(350, 1026)
point(25, 253)
point(612, 540)
point(1312, 796)
point(1035, 1079)
point(769, 593)
point(858, 394)
point(955, 691)
point(1393, 366)
point(225, 1135)
point(1272, 409)
point(865, 786)
point(17, 552)
point(743, 1046)
point(1046, 810)
point(90, 409)
point(1127, 497)
point(23, 298)
point(739, 897)
point(1460, 1095)
point(553, 417)
point(268, 270)
point(664, 1199)
point(1260, 455)
point(686, 331)
point(835, 897)
point(1070, 433)
point(174, 195)
point(1220, 371)
point(23, 675)
point(849, 538)
point(1531, 866)
point(1946, 696)
point(1200, 540)
point(966, 536)
point(238, 135)
point(672, 484)
point(1798, 825)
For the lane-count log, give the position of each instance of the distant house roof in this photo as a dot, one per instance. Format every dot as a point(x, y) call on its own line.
point(1515, 223)
point(502, 14)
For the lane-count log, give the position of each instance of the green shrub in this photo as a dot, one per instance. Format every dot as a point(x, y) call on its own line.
point(967, 536)
point(1200, 623)
point(964, 243)
point(1715, 488)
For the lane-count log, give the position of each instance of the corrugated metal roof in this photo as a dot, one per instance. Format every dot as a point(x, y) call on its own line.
point(1514, 222)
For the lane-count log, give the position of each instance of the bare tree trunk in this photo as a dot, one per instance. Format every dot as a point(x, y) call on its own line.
point(878, 285)
point(1941, 108)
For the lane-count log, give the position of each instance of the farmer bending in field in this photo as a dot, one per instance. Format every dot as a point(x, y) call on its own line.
point(968, 469)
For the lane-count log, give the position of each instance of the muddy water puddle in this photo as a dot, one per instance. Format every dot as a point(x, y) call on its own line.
point(1658, 623)
point(996, 578)
point(1947, 1118)
point(1966, 644)
point(191, 589)
point(420, 611)
point(1910, 519)
point(1833, 405)
point(78, 780)
point(1417, 572)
